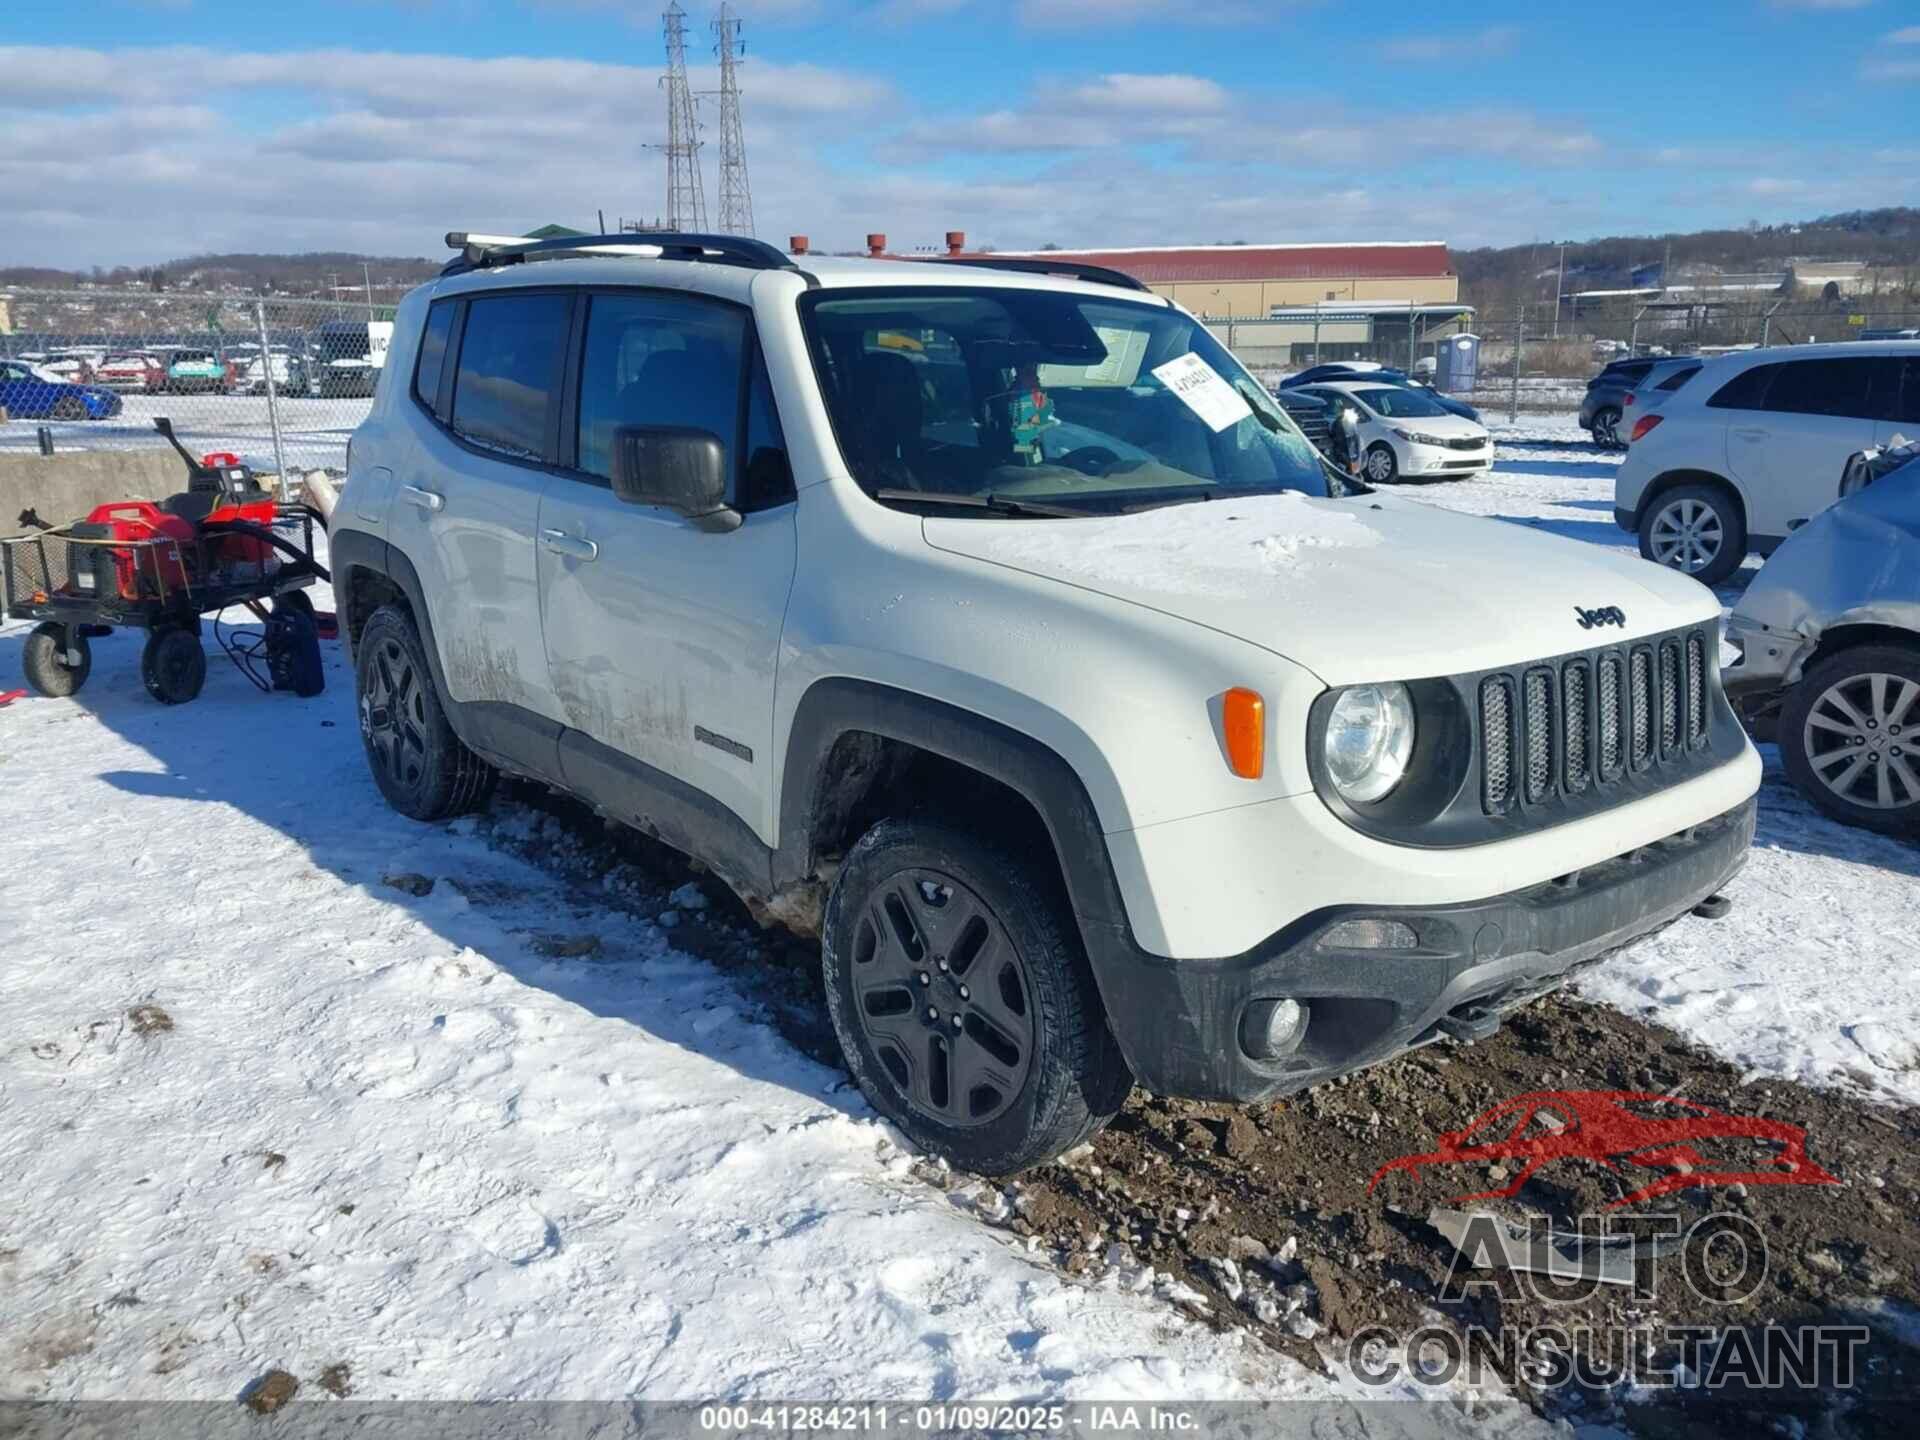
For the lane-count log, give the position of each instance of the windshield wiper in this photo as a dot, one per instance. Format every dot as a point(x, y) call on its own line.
point(994, 504)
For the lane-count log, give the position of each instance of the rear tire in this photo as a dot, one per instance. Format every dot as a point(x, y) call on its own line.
point(173, 667)
point(44, 660)
point(963, 1000)
point(420, 765)
point(1606, 429)
point(295, 600)
point(1849, 736)
point(69, 407)
point(1695, 529)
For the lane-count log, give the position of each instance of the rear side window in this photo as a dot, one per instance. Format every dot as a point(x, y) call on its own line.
point(509, 372)
point(1908, 406)
point(1747, 390)
point(1822, 387)
point(1677, 379)
point(1888, 397)
point(658, 360)
point(433, 356)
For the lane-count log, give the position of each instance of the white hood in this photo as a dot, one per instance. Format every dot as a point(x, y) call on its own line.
point(1370, 588)
point(1447, 427)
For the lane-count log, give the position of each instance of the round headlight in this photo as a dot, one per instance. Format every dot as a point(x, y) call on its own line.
point(1369, 741)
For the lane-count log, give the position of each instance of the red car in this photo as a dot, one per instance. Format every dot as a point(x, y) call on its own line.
point(1615, 1129)
point(132, 372)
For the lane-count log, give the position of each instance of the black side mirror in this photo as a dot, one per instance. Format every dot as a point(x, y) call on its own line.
point(678, 469)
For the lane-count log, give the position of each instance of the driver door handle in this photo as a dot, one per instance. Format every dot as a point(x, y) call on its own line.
point(425, 499)
point(571, 546)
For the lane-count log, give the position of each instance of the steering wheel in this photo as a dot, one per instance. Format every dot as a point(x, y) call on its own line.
point(1089, 460)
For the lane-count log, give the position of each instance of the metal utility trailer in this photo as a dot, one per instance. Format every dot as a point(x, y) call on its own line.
point(80, 585)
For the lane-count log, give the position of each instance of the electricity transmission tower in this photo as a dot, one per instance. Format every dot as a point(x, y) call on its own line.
point(736, 197)
point(686, 200)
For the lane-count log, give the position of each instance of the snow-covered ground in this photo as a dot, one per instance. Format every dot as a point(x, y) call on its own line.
point(313, 431)
point(261, 1108)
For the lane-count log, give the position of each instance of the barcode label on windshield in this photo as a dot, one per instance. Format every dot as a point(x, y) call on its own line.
point(1205, 393)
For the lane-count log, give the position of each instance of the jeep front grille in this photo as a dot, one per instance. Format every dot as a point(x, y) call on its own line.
point(1592, 721)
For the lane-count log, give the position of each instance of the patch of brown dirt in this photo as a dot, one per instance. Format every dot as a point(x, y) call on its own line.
point(149, 1020)
point(1242, 1205)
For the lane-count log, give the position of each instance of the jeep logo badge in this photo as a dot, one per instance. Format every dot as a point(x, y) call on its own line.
point(1612, 615)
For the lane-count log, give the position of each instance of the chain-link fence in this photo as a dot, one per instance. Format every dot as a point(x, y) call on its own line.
point(1530, 358)
point(279, 382)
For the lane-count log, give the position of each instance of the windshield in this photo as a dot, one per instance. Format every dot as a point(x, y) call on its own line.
point(1045, 398)
point(1399, 404)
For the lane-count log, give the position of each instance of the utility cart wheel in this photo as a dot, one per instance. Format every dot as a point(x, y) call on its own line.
point(173, 665)
point(57, 659)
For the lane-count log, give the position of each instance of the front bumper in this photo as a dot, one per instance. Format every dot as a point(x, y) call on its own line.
point(1769, 662)
point(1179, 1022)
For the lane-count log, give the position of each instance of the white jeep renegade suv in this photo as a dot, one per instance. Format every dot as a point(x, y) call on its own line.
point(989, 620)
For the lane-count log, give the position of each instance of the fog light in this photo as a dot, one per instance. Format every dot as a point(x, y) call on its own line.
point(1270, 1029)
point(1371, 935)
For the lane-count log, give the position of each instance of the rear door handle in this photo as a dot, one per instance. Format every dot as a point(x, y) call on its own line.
point(571, 546)
point(1746, 433)
point(425, 499)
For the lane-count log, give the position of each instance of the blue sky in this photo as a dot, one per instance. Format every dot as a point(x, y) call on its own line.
point(143, 130)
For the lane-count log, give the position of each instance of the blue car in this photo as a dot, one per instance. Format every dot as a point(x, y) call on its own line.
point(29, 393)
point(1379, 375)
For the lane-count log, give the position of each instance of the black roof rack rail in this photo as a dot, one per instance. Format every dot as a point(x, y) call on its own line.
point(1097, 274)
point(480, 252)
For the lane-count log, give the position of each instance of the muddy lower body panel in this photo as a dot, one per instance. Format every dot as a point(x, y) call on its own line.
point(1348, 986)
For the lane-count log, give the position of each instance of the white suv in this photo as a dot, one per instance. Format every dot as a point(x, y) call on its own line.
point(989, 620)
point(1753, 448)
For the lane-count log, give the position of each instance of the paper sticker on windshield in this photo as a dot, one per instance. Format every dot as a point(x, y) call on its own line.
point(1205, 393)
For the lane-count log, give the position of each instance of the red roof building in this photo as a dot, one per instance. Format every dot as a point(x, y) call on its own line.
point(1249, 281)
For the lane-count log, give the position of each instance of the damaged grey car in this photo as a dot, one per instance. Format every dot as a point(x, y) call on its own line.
point(1829, 642)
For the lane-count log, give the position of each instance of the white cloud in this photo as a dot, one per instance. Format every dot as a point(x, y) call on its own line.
point(1078, 14)
point(1484, 44)
point(1156, 94)
point(1906, 35)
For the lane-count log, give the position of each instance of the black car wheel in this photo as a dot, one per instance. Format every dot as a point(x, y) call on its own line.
point(963, 1000)
point(57, 661)
point(1849, 736)
point(173, 667)
point(420, 765)
point(1606, 429)
point(69, 407)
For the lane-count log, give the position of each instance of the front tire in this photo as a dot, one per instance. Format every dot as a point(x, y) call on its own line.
point(420, 765)
point(1697, 530)
point(69, 407)
point(963, 1000)
point(173, 667)
point(1849, 737)
point(1382, 465)
point(44, 658)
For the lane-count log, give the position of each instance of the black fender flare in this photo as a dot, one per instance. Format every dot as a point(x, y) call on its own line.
point(506, 735)
point(832, 708)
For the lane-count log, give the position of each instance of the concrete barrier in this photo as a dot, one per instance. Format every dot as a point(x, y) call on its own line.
point(60, 488)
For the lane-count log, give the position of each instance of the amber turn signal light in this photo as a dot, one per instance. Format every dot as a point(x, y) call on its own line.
point(1243, 718)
